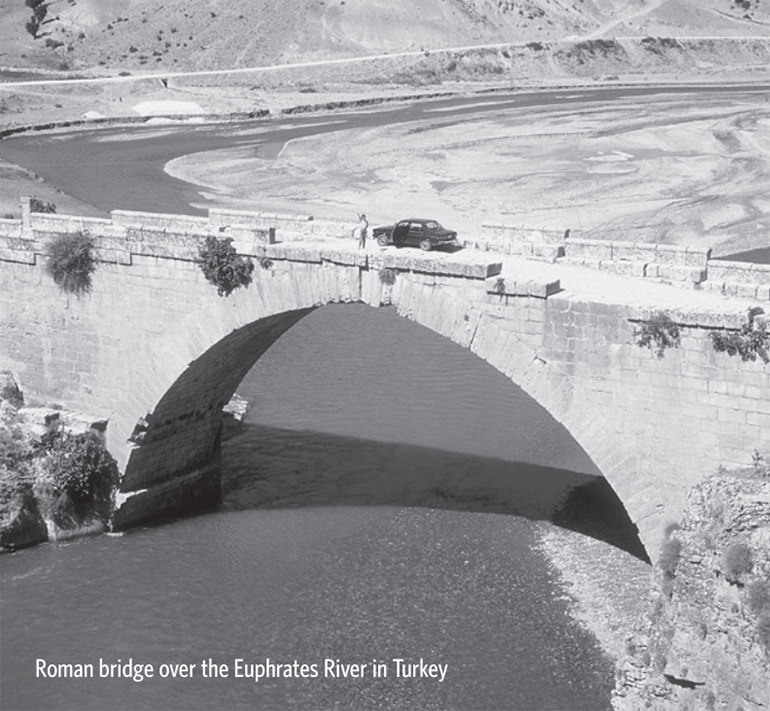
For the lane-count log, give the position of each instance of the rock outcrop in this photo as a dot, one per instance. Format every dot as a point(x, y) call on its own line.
point(33, 507)
point(705, 642)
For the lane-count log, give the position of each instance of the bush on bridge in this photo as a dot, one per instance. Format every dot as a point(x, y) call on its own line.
point(659, 330)
point(752, 340)
point(222, 266)
point(71, 261)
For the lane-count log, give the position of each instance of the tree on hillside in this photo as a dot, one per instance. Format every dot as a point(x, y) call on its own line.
point(39, 13)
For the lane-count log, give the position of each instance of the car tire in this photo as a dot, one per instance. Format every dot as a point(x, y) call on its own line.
point(425, 245)
point(382, 240)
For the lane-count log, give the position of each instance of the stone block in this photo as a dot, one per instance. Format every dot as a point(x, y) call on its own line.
point(625, 267)
point(43, 416)
point(587, 249)
point(16, 255)
point(634, 251)
point(697, 256)
point(518, 249)
point(294, 252)
point(10, 228)
point(347, 257)
point(675, 273)
point(548, 252)
point(153, 220)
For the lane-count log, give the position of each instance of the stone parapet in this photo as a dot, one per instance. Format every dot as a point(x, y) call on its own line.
point(10, 227)
point(52, 223)
point(536, 288)
point(742, 279)
point(672, 263)
point(520, 241)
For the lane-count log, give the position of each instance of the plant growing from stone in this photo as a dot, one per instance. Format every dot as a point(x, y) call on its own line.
point(758, 596)
point(736, 560)
point(750, 342)
point(223, 266)
point(388, 276)
point(81, 468)
point(670, 553)
point(658, 333)
point(72, 261)
point(38, 205)
point(763, 631)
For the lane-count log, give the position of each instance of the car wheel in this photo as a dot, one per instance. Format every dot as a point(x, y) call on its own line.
point(382, 240)
point(425, 245)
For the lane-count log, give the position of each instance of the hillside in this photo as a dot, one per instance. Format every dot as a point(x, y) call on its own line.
point(133, 35)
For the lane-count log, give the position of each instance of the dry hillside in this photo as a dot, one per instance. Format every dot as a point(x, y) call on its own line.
point(133, 35)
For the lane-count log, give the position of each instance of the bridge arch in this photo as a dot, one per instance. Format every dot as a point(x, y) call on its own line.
point(193, 370)
point(152, 343)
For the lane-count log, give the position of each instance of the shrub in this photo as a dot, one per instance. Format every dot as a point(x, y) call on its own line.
point(10, 390)
point(388, 276)
point(669, 557)
point(670, 528)
point(736, 560)
point(37, 205)
point(758, 594)
point(670, 552)
point(265, 263)
point(82, 468)
point(15, 450)
point(763, 631)
point(659, 330)
point(222, 266)
point(71, 261)
point(750, 341)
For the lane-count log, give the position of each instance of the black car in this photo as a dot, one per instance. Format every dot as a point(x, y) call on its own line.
point(425, 234)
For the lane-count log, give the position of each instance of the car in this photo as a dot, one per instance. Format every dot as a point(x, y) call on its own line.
point(415, 232)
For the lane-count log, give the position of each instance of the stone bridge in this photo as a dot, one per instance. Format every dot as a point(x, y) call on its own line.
point(154, 349)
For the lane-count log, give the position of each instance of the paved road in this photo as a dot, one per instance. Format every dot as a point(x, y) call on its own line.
point(122, 167)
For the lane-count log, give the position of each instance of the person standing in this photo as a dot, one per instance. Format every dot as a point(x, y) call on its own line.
point(361, 228)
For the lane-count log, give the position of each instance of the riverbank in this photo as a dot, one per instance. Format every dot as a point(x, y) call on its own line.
point(608, 587)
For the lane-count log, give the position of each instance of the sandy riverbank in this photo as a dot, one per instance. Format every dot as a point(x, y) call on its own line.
point(608, 587)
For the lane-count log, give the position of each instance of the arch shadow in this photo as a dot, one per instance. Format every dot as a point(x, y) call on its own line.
point(273, 468)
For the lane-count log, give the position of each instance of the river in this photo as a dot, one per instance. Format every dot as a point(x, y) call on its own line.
point(381, 502)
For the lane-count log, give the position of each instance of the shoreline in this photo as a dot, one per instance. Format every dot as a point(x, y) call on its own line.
point(608, 587)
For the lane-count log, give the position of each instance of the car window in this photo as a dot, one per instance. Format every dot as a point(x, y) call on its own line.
point(432, 225)
point(415, 227)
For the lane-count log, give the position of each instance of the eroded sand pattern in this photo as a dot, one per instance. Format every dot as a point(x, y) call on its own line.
point(687, 169)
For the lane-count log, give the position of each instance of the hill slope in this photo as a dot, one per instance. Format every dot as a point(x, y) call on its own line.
point(145, 34)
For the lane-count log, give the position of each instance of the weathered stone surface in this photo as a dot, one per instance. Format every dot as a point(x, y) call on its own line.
point(705, 643)
point(21, 524)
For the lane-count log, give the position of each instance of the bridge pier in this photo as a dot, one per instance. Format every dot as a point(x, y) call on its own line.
point(196, 491)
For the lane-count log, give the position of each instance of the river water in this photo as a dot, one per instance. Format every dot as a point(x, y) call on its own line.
point(381, 502)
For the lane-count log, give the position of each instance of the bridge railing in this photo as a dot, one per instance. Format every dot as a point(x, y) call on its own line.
point(129, 234)
point(687, 266)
